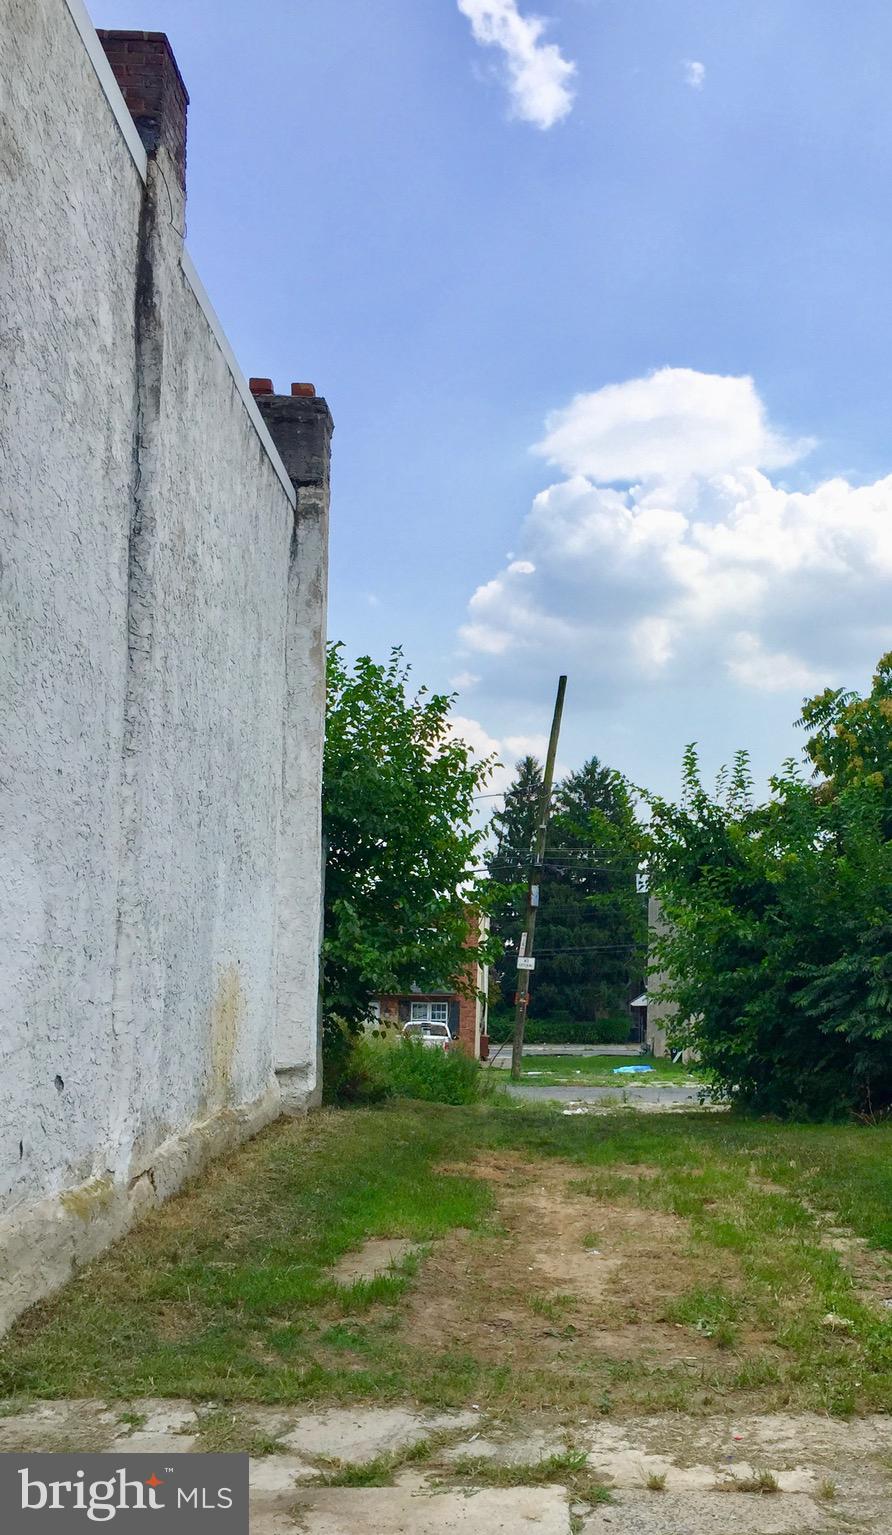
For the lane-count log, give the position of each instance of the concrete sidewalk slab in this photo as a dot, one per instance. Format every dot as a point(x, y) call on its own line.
point(399, 1511)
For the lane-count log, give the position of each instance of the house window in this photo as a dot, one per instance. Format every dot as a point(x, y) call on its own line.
point(430, 1012)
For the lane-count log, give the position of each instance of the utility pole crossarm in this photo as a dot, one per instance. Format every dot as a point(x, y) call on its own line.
point(525, 949)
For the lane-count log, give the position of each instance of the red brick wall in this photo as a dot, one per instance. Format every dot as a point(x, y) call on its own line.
point(152, 86)
point(398, 1007)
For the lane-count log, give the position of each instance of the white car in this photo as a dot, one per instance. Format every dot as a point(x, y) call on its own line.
point(436, 1036)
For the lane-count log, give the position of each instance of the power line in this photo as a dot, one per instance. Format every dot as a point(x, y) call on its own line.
point(590, 949)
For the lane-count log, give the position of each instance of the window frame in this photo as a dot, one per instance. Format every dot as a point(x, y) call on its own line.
point(423, 1012)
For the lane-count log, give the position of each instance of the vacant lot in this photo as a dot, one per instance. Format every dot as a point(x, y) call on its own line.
point(611, 1266)
point(604, 1071)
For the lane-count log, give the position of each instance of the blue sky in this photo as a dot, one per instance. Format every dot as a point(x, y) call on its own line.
point(454, 255)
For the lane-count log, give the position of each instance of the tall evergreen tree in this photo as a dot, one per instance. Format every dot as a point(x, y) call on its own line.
point(591, 928)
point(514, 829)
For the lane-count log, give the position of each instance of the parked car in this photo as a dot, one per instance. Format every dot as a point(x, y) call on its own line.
point(435, 1036)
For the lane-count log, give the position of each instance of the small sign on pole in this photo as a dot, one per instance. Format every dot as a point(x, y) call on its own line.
point(526, 962)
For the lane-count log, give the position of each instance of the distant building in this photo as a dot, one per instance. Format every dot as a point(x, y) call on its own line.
point(652, 1016)
point(465, 1016)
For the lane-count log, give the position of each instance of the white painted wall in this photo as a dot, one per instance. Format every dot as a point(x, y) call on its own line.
point(145, 698)
point(69, 220)
point(659, 1014)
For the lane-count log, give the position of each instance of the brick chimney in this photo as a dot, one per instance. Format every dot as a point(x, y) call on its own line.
point(301, 426)
point(152, 86)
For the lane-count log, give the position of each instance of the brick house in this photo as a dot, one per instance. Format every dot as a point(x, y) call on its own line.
point(465, 1016)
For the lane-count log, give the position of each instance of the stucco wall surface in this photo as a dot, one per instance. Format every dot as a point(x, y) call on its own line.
point(162, 668)
point(70, 199)
point(203, 730)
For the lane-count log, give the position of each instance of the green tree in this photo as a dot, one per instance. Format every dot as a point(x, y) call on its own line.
point(851, 739)
point(779, 942)
point(398, 806)
point(590, 932)
point(593, 924)
point(514, 830)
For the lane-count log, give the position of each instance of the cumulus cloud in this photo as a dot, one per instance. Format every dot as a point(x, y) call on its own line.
point(672, 424)
point(526, 746)
point(464, 680)
point(670, 553)
point(507, 750)
point(537, 74)
point(694, 74)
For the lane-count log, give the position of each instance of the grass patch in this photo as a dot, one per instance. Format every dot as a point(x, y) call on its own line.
point(569, 1468)
point(226, 1294)
point(598, 1071)
point(228, 1433)
point(380, 1472)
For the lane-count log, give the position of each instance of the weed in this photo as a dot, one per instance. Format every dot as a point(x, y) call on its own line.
point(226, 1433)
point(367, 1473)
point(656, 1481)
point(764, 1482)
point(132, 1420)
point(827, 1490)
point(551, 1307)
point(569, 1468)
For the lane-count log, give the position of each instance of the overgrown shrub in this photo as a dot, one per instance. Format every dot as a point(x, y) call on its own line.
point(777, 946)
point(384, 1067)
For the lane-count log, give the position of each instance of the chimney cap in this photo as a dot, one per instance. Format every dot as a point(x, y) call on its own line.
point(261, 385)
point(305, 391)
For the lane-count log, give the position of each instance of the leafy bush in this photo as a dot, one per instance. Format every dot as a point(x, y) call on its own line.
point(562, 1029)
point(612, 1031)
point(777, 944)
point(382, 1067)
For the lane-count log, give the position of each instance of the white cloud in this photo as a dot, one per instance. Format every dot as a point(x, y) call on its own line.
point(754, 667)
point(474, 734)
point(526, 746)
point(482, 744)
point(538, 75)
point(702, 568)
point(670, 425)
point(507, 749)
point(694, 74)
point(464, 680)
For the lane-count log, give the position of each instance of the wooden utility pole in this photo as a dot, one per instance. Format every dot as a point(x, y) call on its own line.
point(525, 960)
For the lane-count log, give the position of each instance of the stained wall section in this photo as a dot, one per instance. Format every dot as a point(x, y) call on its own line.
point(147, 551)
